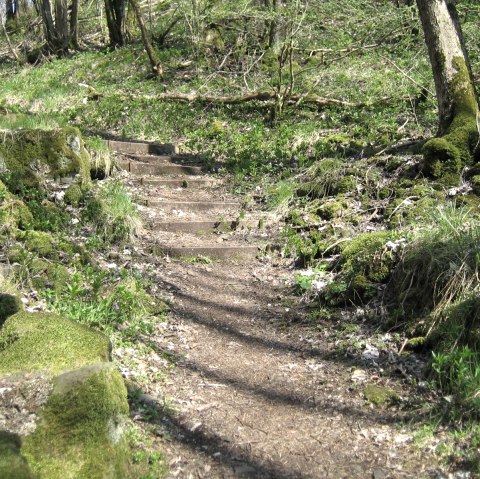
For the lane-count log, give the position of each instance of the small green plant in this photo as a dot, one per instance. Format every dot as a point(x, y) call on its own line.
point(199, 259)
point(113, 214)
point(457, 374)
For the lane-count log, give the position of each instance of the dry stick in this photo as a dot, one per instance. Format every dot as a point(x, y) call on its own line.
point(155, 63)
point(12, 50)
point(406, 75)
point(258, 96)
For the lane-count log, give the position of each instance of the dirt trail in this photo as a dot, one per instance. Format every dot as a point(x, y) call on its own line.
point(256, 397)
point(258, 393)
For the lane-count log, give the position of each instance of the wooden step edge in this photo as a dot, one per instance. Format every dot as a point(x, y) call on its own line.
point(138, 147)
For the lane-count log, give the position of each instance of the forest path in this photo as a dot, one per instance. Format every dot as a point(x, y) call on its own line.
point(256, 392)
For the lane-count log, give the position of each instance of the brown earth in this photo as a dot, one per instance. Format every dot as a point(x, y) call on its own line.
point(255, 389)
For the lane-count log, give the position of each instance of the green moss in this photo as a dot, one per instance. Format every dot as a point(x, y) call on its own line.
point(454, 150)
point(366, 255)
point(348, 184)
point(13, 212)
point(12, 464)
point(16, 253)
point(32, 156)
point(47, 341)
point(9, 305)
point(81, 427)
point(402, 213)
point(47, 215)
point(48, 275)
point(476, 184)
point(379, 395)
point(73, 195)
point(333, 209)
point(39, 242)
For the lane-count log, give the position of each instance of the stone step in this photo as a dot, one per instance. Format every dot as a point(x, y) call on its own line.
point(141, 148)
point(153, 159)
point(214, 252)
point(166, 159)
point(192, 206)
point(138, 168)
point(186, 183)
point(203, 227)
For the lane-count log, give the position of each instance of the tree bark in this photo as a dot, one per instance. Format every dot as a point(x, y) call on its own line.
point(74, 24)
point(154, 61)
point(115, 13)
point(456, 97)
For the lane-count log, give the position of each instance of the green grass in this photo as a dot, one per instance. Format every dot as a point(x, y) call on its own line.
point(112, 213)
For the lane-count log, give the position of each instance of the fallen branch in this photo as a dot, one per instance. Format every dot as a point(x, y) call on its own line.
point(258, 96)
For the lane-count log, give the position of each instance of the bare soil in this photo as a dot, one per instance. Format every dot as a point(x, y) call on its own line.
point(256, 390)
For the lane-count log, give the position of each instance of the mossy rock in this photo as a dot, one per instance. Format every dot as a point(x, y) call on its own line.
point(39, 242)
point(34, 341)
point(402, 213)
point(14, 213)
point(348, 184)
point(47, 215)
point(47, 246)
point(475, 181)
point(73, 195)
point(28, 158)
point(379, 395)
point(333, 209)
point(48, 275)
point(16, 253)
point(13, 464)
point(80, 433)
point(365, 255)
point(9, 305)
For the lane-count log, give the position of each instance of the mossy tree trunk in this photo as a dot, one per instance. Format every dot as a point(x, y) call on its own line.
point(457, 101)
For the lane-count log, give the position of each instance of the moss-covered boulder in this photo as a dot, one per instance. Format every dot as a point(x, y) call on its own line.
point(77, 397)
point(12, 464)
point(47, 341)
point(14, 213)
point(9, 305)
point(48, 275)
point(28, 158)
point(46, 245)
point(80, 433)
point(73, 195)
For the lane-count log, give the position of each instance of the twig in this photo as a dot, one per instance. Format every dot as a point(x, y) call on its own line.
point(406, 75)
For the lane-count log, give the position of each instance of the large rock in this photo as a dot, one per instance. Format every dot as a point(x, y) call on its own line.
point(63, 405)
point(29, 158)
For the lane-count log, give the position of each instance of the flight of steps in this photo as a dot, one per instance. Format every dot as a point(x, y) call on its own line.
point(189, 213)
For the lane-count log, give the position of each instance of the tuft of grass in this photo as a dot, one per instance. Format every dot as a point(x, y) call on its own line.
point(440, 267)
point(113, 214)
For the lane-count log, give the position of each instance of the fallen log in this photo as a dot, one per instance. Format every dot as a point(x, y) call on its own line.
point(260, 96)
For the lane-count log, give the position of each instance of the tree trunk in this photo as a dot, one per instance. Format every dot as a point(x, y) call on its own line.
point(457, 101)
point(74, 24)
point(115, 13)
point(154, 61)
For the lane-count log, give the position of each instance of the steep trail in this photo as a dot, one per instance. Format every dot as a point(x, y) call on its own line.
point(255, 392)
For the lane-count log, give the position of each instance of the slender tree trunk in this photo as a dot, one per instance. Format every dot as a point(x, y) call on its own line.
point(115, 13)
point(74, 24)
point(457, 101)
point(274, 40)
point(154, 61)
point(61, 26)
